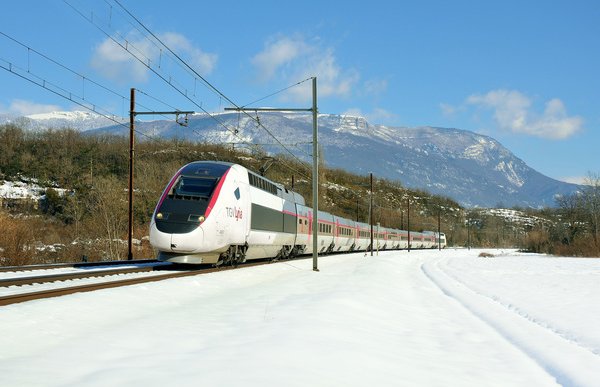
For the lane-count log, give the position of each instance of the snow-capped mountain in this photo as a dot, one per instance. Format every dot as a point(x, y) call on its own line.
point(473, 169)
point(78, 120)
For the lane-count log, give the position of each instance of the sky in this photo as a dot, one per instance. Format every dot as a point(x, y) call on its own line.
point(419, 318)
point(523, 72)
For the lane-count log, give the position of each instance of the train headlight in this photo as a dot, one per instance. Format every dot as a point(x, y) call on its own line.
point(159, 215)
point(196, 218)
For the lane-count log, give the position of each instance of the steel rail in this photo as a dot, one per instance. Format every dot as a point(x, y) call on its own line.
point(22, 297)
point(19, 281)
point(45, 266)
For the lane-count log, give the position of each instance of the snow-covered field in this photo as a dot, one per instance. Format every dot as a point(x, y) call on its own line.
point(424, 318)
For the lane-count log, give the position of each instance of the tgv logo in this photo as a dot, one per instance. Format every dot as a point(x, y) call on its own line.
point(234, 212)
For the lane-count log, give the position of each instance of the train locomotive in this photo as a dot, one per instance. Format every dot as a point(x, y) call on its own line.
point(214, 212)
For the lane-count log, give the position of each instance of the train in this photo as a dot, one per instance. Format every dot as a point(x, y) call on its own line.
point(215, 212)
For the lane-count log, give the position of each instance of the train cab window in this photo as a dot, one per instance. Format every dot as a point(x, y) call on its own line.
point(195, 187)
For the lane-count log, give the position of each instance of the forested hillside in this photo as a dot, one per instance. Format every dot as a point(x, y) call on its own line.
point(83, 214)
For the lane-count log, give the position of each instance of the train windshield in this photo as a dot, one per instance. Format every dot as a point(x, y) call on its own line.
point(199, 187)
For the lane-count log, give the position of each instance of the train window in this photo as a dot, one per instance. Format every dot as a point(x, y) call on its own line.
point(299, 221)
point(199, 187)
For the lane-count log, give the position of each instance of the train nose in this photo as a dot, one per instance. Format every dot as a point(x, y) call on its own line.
point(188, 242)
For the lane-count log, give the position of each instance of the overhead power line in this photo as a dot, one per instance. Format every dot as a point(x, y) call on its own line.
point(79, 99)
point(147, 62)
point(210, 85)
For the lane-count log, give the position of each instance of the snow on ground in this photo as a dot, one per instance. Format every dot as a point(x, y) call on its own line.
point(429, 318)
point(24, 190)
point(20, 190)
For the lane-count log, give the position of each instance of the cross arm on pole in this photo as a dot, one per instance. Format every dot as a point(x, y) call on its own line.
point(242, 109)
point(315, 167)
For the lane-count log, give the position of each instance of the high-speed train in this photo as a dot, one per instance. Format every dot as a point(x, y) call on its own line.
point(222, 213)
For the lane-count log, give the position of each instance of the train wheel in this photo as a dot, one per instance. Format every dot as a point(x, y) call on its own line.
point(233, 256)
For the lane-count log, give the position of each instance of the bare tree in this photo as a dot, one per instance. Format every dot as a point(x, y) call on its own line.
point(591, 202)
point(110, 204)
point(571, 216)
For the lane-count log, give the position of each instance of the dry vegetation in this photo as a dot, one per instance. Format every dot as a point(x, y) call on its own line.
point(90, 220)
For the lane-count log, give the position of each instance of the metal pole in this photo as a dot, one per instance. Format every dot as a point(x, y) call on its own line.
point(408, 221)
point(315, 180)
point(130, 191)
point(377, 238)
point(401, 219)
point(371, 214)
point(439, 230)
point(468, 234)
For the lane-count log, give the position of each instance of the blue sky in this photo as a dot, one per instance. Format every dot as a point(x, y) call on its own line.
point(523, 72)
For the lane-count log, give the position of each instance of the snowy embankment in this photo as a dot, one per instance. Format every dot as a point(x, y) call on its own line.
point(26, 189)
point(419, 318)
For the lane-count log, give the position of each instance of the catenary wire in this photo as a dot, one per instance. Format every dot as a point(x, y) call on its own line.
point(214, 88)
point(161, 76)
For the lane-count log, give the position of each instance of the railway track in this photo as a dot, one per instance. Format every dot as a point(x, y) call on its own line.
point(50, 266)
point(152, 273)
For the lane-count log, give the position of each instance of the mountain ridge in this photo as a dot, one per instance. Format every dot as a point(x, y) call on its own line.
point(473, 169)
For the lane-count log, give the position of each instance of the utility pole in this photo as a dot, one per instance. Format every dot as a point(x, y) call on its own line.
point(469, 234)
point(132, 114)
point(371, 213)
point(130, 185)
point(439, 230)
point(378, 238)
point(408, 221)
point(401, 219)
point(315, 162)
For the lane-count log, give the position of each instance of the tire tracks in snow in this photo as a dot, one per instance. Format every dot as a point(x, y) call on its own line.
point(567, 361)
point(515, 309)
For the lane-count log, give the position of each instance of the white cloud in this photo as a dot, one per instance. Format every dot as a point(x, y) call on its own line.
point(115, 63)
point(512, 111)
point(24, 108)
point(448, 110)
point(376, 86)
point(112, 61)
point(292, 59)
point(278, 53)
point(201, 61)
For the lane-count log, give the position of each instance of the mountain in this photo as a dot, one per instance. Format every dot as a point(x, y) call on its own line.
point(77, 120)
point(473, 169)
